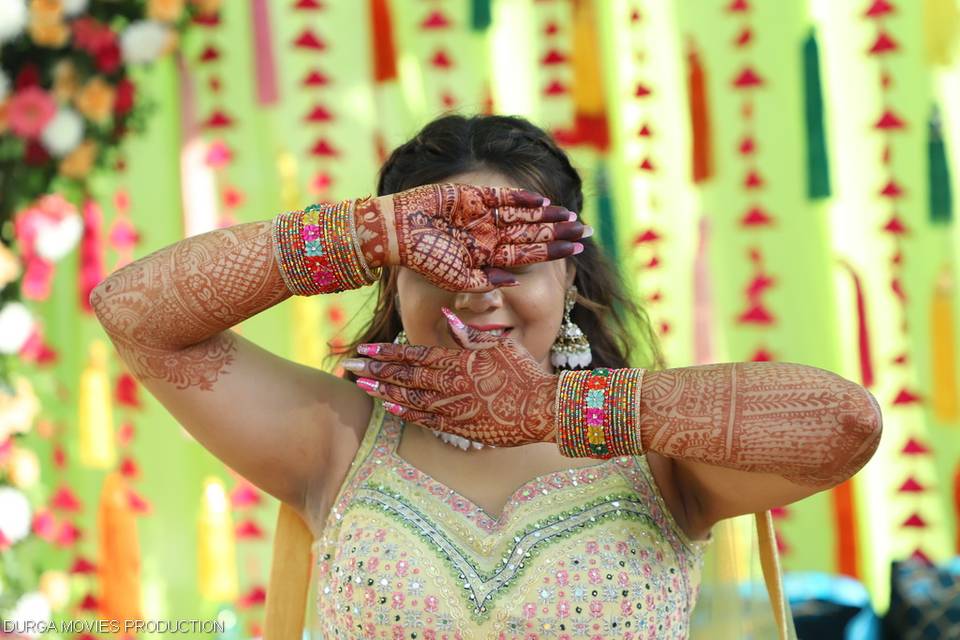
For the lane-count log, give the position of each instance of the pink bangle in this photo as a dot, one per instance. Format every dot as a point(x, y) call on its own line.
point(317, 250)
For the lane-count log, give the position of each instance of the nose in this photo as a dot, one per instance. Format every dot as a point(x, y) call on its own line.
point(478, 301)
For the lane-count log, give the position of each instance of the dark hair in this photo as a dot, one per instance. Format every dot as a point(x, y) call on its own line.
point(455, 144)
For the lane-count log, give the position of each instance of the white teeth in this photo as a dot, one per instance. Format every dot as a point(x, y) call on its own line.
point(495, 332)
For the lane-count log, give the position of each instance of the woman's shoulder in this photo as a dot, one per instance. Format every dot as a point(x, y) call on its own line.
point(361, 416)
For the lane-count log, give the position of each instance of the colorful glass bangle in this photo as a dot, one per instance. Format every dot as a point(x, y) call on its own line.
point(318, 251)
point(596, 413)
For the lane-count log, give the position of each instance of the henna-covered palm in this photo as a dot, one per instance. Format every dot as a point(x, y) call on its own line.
point(460, 237)
point(492, 390)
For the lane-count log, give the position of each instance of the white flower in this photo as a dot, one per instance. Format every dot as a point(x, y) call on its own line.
point(57, 239)
point(32, 610)
point(16, 325)
point(143, 41)
point(4, 85)
point(13, 19)
point(63, 133)
point(14, 514)
point(74, 8)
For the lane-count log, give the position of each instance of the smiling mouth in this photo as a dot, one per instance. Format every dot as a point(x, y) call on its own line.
point(500, 331)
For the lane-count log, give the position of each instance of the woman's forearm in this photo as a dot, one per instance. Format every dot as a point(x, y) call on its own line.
point(808, 425)
point(188, 294)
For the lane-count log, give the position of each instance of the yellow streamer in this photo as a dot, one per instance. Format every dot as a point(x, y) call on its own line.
point(216, 545)
point(941, 20)
point(587, 71)
point(95, 425)
point(943, 348)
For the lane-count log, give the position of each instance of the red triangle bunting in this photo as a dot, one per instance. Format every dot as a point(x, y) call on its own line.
point(553, 57)
point(218, 120)
point(883, 44)
point(911, 486)
point(642, 91)
point(555, 88)
point(647, 165)
point(650, 235)
point(308, 5)
point(895, 226)
point(324, 149)
point(309, 40)
point(441, 60)
point(747, 79)
point(645, 131)
point(745, 37)
point(914, 521)
point(906, 397)
point(747, 146)
point(436, 20)
point(551, 29)
point(756, 314)
point(316, 79)
point(209, 54)
point(914, 447)
point(889, 120)
point(753, 180)
point(891, 189)
point(756, 217)
point(879, 8)
point(319, 114)
point(737, 6)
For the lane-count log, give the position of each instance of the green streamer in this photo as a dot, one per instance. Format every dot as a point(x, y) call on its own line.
point(605, 216)
point(941, 196)
point(480, 14)
point(818, 168)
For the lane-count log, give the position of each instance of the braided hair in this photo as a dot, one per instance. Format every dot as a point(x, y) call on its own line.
point(455, 144)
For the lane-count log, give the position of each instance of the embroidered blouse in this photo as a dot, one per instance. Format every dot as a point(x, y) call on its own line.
point(585, 553)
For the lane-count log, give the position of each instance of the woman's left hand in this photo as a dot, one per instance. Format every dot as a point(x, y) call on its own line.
point(491, 391)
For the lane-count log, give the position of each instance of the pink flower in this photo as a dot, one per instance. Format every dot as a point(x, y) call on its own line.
point(29, 111)
point(430, 603)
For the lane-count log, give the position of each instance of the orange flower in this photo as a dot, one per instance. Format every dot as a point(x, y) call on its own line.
point(47, 9)
point(49, 32)
point(165, 10)
point(65, 81)
point(96, 99)
point(77, 163)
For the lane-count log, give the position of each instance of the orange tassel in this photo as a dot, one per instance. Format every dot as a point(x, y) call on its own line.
point(384, 52)
point(119, 564)
point(95, 424)
point(846, 558)
point(699, 118)
point(943, 341)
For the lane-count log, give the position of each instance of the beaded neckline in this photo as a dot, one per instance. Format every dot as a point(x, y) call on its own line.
point(541, 485)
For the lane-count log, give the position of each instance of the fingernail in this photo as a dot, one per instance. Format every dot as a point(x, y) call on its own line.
point(577, 248)
point(368, 349)
point(572, 216)
point(503, 279)
point(453, 319)
point(587, 232)
point(353, 364)
point(395, 409)
point(546, 202)
point(368, 384)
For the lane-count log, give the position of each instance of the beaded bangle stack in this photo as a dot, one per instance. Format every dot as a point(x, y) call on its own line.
point(597, 411)
point(318, 250)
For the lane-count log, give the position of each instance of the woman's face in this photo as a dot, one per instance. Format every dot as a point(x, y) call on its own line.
point(533, 310)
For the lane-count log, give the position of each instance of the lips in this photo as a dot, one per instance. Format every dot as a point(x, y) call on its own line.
point(492, 329)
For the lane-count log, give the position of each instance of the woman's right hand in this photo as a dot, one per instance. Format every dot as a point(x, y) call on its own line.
point(461, 237)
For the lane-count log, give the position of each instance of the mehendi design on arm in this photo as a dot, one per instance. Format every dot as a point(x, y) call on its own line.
point(168, 312)
point(808, 425)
